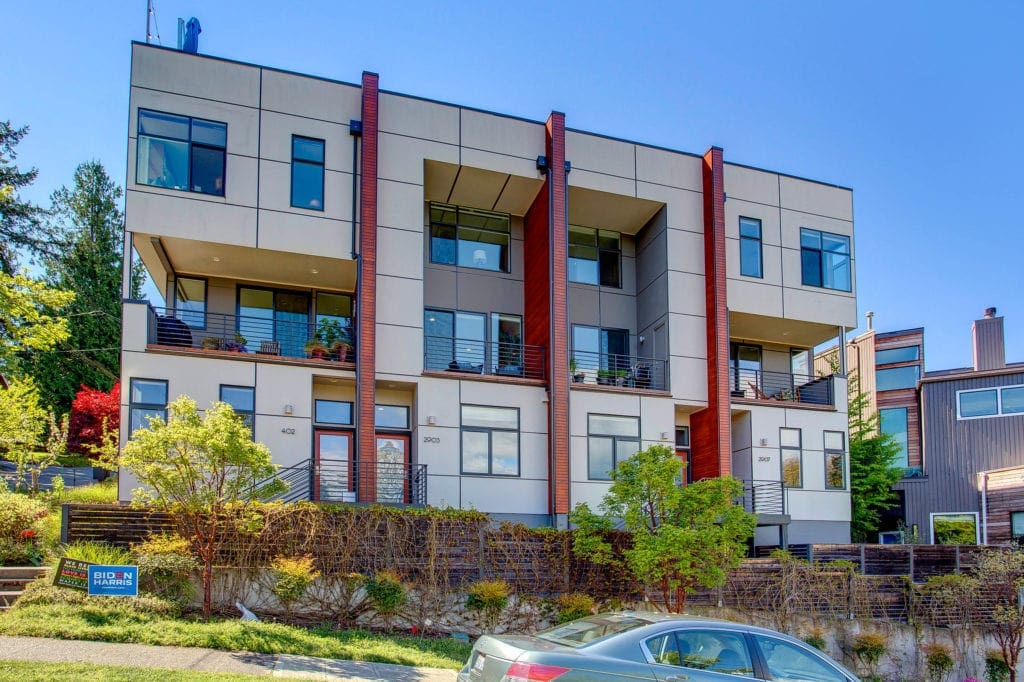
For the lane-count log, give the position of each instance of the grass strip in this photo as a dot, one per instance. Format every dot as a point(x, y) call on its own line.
point(37, 671)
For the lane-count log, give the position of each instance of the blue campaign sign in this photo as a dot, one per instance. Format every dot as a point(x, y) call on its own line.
point(114, 581)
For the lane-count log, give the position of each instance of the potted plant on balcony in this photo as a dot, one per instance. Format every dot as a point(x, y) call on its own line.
point(316, 349)
point(341, 349)
point(237, 346)
point(211, 343)
point(606, 377)
point(577, 375)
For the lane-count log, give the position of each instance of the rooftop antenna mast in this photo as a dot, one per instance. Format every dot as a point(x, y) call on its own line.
point(151, 21)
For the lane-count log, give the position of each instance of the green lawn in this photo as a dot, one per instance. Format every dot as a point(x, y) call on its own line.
point(87, 672)
point(106, 624)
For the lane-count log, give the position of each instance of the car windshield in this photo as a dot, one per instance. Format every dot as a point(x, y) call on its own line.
point(584, 631)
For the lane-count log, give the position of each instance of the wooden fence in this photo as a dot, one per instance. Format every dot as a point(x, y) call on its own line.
point(453, 551)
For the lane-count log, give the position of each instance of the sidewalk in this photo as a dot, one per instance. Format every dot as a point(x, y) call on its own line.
point(211, 660)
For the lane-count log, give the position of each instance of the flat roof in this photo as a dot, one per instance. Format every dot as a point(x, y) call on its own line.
point(482, 111)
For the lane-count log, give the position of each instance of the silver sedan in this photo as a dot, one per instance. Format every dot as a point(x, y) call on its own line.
point(648, 646)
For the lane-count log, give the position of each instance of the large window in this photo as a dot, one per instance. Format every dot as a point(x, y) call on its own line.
point(990, 402)
point(745, 366)
point(490, 440)
point(268, 315)
point(956, 528)
point(190, 301)
point(334, 412)
point(243, 400)
point(610, 440)
point(147, 398)
point(835, 460)
point(750, 248)
point(825, 259)
point(601, 352)
point(897, 377)
point(469, 237)
point(179, 152)
point(307, 173)
point(458, 340)
point(789, 444)
point(595, 256)
point(902, 354)
point(893, 421)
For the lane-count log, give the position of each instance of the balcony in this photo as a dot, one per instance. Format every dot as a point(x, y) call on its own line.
point(614, 370)
point(764, 498)
point(348, 481)
point(265, 337)
point(762, 385)
point(500, 359)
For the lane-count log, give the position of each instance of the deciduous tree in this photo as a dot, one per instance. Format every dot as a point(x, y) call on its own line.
point(28, 317)
point(682, 537)
point(203, 469)
point(94, 413)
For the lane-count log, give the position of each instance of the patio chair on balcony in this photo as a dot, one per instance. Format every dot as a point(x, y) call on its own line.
point(758, 393)
point(269, 347)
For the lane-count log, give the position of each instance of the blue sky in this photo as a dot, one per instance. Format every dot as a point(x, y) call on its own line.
point(918, 106)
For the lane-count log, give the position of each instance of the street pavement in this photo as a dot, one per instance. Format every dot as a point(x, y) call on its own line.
point(211, 660)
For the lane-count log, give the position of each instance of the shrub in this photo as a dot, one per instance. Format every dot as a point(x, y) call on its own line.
point(42, 593)
point(996, 669)
point(93, 413)
point(488, 598)
point(869, 647)
point(573, 606)
point(95, 553)
point(939, 661)
point(21, 525)
point(386, 592)
point(165, 567)
point(104, 492)
point(291, 577)
point(816, 639)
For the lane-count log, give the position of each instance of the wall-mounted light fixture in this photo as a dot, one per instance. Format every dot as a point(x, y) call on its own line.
point(431, 420)
point(288, 409)
point(764, 441)
point(542, 164)
point(642, 338)
point(664, 435)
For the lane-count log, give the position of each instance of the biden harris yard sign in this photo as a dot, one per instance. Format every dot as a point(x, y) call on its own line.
point(114, 581)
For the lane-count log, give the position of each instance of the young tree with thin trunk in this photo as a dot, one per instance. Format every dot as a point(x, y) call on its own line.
point(203, 469)
point(682, 537)
point(872, 469)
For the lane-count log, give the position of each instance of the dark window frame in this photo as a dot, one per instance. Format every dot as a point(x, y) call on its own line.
point(386, 428)
point(601, 251)
point(841, 452)
point(820, 252)
point(882, 353)
point(759, 241)
point(683, 446)
point(615, 439)
point(191, 146)
point(1013, 536)
point(155, 407)
point(491, 347)
point(251, 414)
point(351, 412)
point(458, 226)
point(895, 371)
point(489, 430)
point(322, 165)
point(799, 449)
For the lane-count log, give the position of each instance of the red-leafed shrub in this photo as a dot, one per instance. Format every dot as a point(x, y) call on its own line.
point(88, 412)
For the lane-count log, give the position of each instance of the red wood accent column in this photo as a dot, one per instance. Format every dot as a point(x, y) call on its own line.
point(558, 377)
point(366, 448)
point(711, 444)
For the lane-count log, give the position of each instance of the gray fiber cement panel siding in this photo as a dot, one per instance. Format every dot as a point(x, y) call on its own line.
point(956, 450)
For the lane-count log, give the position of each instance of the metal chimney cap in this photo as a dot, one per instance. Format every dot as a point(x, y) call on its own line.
point(990, 312)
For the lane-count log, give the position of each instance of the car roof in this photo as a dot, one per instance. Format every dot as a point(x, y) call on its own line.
point(683, 619)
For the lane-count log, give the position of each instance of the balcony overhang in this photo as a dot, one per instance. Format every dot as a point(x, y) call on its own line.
point(449, 183)
point(164, 256)
point(780, 330)
point(608, 211)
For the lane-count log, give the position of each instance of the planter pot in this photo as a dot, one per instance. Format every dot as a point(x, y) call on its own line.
point(578, 378)
point(318, 353)
point(211, 344)
point(342, 352)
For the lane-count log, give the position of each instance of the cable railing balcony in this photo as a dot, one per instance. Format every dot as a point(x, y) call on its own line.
point(265, 336)
point(612, 369)
point(349, 481)
point(758, 384)
point(495, 358)
point(764, 497)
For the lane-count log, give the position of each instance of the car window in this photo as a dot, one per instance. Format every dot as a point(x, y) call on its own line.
point(580, 632)
point(791, 663)
point(719, 651)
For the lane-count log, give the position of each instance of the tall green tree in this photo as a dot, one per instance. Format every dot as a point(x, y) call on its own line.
point(20, 221)
point(88, 226)
point(29, 319)
point(682, 538)
point(873, 472)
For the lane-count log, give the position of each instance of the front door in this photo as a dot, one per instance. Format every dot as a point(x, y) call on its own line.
point(333, 480)
point(392, 467)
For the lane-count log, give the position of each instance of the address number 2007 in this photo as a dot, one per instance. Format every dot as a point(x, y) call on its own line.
point(762, 458)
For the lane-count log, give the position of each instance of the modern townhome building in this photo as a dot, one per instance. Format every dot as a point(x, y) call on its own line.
point(416, 302)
